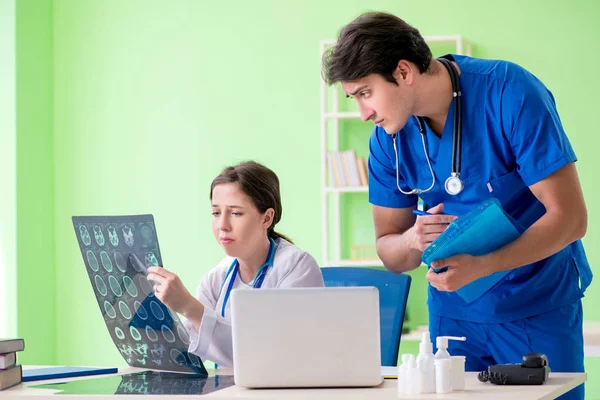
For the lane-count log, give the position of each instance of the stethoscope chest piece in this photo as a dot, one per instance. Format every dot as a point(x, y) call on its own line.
point(454, 185)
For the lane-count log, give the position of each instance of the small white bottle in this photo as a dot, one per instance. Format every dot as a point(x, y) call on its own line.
point(443, 378)
point(425, 365)
point(402, 373)
point(442, 345)
point(458, 372)
point(412, 377)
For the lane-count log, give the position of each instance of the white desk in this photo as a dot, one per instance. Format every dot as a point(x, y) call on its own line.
point(558, 383)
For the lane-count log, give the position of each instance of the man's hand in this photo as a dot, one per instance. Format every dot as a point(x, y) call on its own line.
point(428, 228)
point(462, 270)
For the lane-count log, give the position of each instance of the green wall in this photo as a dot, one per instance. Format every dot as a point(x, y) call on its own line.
point(152, 98)
point(36, 288)
point(8, 221)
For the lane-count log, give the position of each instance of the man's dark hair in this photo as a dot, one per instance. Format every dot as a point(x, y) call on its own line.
point(374, 43)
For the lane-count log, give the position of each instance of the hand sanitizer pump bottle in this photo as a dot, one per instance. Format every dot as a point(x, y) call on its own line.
point(425, 365)
point(443, 364)
point(442, 345)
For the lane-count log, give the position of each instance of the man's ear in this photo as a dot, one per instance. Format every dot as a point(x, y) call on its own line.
point(404, 72)
point(268, 217)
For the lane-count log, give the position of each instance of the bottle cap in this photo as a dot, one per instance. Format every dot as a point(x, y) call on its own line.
point(425, 346)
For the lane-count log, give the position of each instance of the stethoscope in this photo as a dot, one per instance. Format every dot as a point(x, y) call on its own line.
point(453, 185)
point(258, 279)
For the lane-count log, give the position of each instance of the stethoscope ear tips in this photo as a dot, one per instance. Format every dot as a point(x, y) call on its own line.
point(453, 185)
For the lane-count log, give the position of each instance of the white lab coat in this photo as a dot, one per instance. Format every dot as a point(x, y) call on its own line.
point(292, 267)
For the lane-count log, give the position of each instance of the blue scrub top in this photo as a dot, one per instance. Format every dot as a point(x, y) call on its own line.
point(512, 138)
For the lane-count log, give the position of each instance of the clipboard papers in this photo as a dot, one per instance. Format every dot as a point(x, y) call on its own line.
point(482, 230)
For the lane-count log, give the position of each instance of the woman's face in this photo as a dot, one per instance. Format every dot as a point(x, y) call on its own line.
point(237, 224)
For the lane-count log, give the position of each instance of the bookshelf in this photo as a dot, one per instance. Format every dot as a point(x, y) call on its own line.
point(335, 248)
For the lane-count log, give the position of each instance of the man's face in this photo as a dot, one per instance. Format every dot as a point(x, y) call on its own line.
point(386, 104)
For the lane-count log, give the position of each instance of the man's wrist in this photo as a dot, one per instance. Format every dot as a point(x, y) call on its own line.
point(491, 263)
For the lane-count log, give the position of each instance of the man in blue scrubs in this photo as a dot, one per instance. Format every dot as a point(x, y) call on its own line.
point(514, 149)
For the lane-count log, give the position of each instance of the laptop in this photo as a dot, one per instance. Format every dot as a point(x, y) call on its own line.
point(306, 337)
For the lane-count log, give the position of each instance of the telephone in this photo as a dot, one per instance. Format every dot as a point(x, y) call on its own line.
point(533, 371)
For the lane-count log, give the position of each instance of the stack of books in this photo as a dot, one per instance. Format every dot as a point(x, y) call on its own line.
point(10, 372)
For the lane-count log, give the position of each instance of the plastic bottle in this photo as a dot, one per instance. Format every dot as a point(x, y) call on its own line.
point(425, 365)
point(443, 379)
point(403, 372)
point(458, 372)
point(412, 377)
point(442, 345)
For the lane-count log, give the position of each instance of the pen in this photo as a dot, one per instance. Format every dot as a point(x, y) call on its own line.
point(424, 213)
point(420, 213)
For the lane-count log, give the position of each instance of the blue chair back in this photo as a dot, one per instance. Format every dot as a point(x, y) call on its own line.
point(393, 293)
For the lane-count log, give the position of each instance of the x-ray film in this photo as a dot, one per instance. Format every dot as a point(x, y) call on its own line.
point(116, 251)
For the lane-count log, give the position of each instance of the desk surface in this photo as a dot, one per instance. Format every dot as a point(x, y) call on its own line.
point(557, 384)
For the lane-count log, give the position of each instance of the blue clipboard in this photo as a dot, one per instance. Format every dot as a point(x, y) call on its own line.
point(482, 230)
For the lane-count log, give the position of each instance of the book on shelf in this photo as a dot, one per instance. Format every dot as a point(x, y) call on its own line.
point(340, 167)
point(7, 360)
point(352, 168)
point(10, 377)
point(345, 169)
point(363, 171)
point(334, 170)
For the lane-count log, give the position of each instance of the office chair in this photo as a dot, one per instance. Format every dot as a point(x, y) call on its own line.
point(393, 293)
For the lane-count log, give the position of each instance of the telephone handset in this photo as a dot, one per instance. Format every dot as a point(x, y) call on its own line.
point(533, 370)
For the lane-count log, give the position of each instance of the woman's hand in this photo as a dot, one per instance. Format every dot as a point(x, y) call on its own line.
point(170, 291)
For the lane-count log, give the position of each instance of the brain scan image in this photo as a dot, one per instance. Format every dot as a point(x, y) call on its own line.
point(85, 235)
point(98, 235)
point(135, 334)
point(109, 310)
point(145, 332)
point(140, 310)
point(120, 261)
point(125, 311)
point(130, 286)
point(92, 260)
point(115, 286)
point(151, 333)
point(128, 236)
point(119, 333)
point(156, 310)
point(167, 334)
point(183, 334)
point(147, 235)
point(151, 260)
point(100, 285)
point(113, 237)
point(106, 263)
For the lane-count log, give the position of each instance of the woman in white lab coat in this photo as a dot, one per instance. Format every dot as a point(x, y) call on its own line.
point(246, 206)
